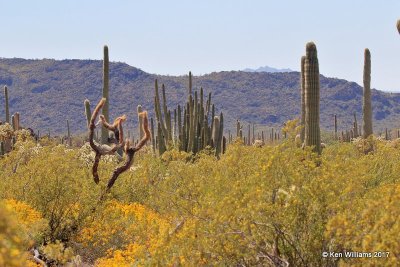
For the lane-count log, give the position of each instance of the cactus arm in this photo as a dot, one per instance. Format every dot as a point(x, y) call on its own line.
point(130, 152)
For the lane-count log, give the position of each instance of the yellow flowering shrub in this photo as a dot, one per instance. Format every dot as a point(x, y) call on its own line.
point(117, 225)
point(19, 226)
point(255, 206)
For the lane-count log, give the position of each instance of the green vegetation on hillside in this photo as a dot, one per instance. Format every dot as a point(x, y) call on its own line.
point(48, 92)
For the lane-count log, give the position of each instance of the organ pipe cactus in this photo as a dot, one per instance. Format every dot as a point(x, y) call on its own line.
point(105, 109)
point(312, 135)
point(367, 105)
point(7, 106)
point(193, 122)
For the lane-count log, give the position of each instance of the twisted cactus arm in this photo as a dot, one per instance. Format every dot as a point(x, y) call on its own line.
point(130, 151)
point(92, 125)
point(102, 150)
point(112, 127)
point(94, 168)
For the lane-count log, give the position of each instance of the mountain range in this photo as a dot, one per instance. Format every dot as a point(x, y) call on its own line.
point(49, 92)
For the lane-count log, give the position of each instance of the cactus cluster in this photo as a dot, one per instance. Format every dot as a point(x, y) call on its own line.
point(192, 128)
point(11, 128)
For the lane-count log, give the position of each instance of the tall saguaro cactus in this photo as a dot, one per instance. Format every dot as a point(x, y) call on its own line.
point(398, 26)
point(105, 110)
point(367, 106)
point(303, 103)
point(312, 135)
point(7, 106)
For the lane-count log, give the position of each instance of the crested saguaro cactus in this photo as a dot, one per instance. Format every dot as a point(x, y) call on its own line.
point(303, 103)
point(104, 149)
point(7, 106)
point(312, 135)
point(367, 106)
point(104, 132)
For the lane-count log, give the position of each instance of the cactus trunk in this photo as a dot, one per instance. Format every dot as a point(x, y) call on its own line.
point(87, 111)
point(367, 105)
point(105, 110)
point(303, 103)
point(69, 134)
point(140, 119)
point(7, 106)
point(312, 135)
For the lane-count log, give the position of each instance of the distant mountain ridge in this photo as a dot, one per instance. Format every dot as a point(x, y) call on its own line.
point(48, 92)
point(267, 69)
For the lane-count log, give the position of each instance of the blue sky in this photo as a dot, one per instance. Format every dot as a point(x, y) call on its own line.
point(173, 37)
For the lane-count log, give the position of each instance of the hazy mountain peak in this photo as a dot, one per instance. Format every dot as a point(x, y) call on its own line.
point(267, 69)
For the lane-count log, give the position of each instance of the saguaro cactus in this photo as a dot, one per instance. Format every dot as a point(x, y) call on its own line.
point(69, 135)
point(312, 135)
point(140, 120)
point(104, 131)
point(2, 149)
point(15, 121)
point(7, 107)
point(355, 126)
point(335, 125)
point(398, 25)
point(367, 106)
point(87, 111)
point(303, 103)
